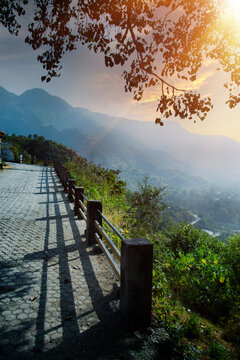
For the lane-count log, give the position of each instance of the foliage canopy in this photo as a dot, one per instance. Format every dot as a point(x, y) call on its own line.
point(162, 43)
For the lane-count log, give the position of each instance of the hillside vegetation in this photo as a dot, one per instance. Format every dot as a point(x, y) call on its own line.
point(37, 146)
point(196, 290)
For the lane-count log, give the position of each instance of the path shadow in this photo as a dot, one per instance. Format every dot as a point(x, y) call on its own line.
point(11, 281)
point(31, 339)
point(15, 285)
point(73, 342)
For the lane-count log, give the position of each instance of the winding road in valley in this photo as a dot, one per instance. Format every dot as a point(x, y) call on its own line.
point(209, 232)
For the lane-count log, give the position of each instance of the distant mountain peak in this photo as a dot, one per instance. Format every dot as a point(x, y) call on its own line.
point(6, 92)
point(36, 91)
point(41, 94)
point(120, 142)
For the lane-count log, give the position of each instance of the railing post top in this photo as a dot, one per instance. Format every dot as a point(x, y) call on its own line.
point(137, 242)
point(93, 214)
point(79, 188)
point(94, 202)
point(94, 205)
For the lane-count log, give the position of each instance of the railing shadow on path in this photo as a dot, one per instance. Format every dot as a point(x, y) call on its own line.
point(16, 289)
point(13, 287)
point(73, 342)
point(56, 331)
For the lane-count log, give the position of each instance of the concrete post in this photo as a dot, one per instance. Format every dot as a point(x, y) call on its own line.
point(71, 183)
point(79, 191)
point(92, 214)
point(136, 282)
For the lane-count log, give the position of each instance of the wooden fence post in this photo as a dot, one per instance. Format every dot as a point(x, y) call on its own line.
point(92, 215)
point(57, 168)
point(62, 175)
point(136, 282)
point(79, 191)
point(63, 171)
point(66, 178)
point(33, 159)
point(71, 182)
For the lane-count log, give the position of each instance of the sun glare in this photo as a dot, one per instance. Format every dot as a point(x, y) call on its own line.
point(234, 7)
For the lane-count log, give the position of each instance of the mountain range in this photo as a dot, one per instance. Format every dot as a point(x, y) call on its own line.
point(168, 155)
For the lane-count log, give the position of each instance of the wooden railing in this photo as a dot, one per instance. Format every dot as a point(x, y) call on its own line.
point(132, 265)
point(109, 243)
point(33, 160)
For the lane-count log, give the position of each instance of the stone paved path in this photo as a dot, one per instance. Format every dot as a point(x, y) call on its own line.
point(58, 299)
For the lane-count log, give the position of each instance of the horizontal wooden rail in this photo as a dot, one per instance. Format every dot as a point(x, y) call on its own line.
point(115, 268)
point(108, 240)
point(112, 227)
point(84, 216)
point(85, 197)
point(83, 206)
point(34, 161)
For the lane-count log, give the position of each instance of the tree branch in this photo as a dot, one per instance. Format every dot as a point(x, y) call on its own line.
point(147, 70)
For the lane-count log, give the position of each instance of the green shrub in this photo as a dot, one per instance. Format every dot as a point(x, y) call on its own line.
point(232, 256)
point(217, 352)
point(100, 184)
point(146, 206)
point(202, 272)
point(191, 327)
point(184, 238)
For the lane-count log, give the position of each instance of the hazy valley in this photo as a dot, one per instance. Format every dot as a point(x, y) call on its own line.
point(201, 173)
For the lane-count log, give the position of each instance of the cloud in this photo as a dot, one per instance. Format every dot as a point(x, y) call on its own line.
point(153, 94)
point(14, 48)
point(108, 79)
point(149, 98)
point(207, 95)
point(209, 62)
point(196, 84)
point(15, 56)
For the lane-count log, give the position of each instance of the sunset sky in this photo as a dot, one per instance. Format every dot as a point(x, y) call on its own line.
point(86, 82)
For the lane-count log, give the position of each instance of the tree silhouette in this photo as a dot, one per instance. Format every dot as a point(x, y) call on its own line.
point(160, 43)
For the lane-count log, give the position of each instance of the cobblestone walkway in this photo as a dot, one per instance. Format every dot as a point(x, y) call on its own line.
point(57, 298)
